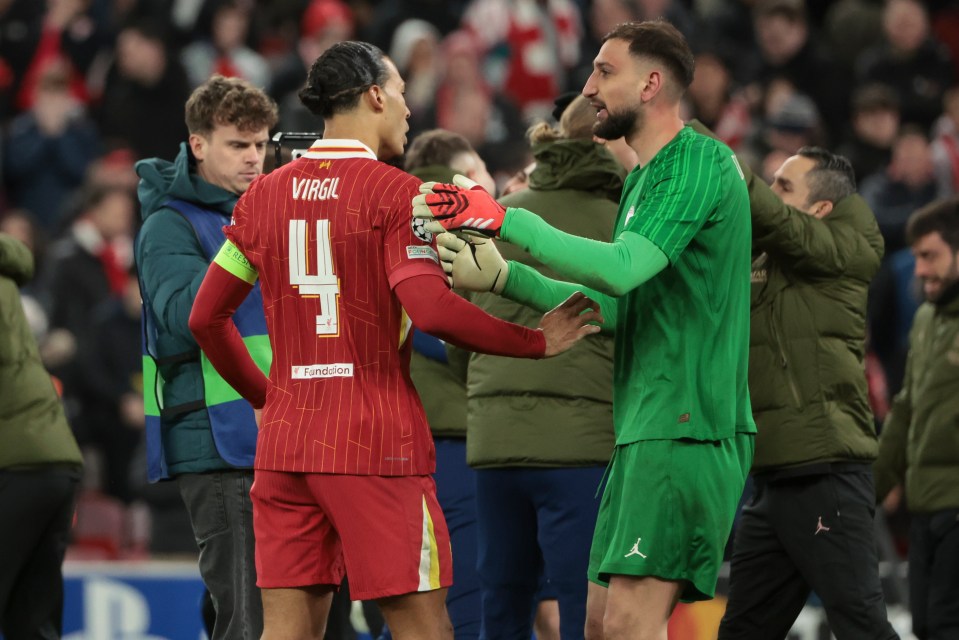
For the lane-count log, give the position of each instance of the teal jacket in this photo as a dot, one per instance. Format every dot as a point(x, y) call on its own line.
point(33, 427)
point(172, 265)
point(556, 412)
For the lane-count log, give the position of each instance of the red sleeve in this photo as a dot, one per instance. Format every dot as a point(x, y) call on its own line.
point(211, 322)
point(436, 310)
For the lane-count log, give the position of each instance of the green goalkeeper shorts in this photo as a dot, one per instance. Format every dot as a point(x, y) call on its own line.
point(667, 511)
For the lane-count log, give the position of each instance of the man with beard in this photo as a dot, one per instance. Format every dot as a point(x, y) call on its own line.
point(919, 446)
point(674, 285)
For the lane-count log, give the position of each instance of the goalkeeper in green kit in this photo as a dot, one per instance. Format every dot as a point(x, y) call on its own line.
point(674, 286)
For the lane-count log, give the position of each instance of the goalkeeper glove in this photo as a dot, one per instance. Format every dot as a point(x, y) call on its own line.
point(474, 265)
point(463, 206)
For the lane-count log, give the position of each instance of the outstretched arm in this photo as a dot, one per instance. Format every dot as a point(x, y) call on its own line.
point(436, 310)
point(476, 265)
point(613, 268)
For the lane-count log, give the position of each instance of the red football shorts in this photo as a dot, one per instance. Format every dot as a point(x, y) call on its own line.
point(387, 532)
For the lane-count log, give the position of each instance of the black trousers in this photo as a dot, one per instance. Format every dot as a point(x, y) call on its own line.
point(37, 510)
point(934, 574)
point(802, 534)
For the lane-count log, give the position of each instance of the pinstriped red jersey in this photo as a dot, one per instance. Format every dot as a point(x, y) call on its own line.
point(330, 235)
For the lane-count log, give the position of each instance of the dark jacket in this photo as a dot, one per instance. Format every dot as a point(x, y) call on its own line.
point(556, 412)
point(808, 325)
point(33, 427)
point(172, 265)
point(920, 439)
point(440, 382)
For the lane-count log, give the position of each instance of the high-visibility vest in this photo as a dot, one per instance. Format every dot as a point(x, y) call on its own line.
point(231, 417)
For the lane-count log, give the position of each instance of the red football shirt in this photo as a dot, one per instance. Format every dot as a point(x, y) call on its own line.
point(330, 235)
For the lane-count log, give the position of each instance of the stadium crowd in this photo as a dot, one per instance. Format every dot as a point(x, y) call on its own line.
point(90, 87)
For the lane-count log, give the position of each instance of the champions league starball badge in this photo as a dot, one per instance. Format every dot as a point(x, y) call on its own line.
point(419, 230)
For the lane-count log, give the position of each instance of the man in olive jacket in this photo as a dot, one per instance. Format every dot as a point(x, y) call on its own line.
point(809, 524)
point(540, 434)
point(919, 446)
point(39, 468)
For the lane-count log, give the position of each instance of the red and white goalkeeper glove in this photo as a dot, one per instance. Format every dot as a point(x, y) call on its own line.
point(463, 206)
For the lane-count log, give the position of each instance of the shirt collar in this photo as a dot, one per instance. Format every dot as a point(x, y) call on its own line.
point(334, 149)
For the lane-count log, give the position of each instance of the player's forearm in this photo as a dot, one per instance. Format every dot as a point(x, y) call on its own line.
point(528, 286)
point(211, 322)
point(436, 310)
point(613, 268)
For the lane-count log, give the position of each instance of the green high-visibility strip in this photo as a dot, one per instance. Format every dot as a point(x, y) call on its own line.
point(232, 259)
point(151, 388)
point(217, 390)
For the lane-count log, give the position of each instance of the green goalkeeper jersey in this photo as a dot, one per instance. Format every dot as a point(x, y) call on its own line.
point(682, 337)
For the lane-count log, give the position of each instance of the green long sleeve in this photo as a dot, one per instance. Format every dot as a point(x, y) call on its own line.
point(613, 268)
point(528, 286)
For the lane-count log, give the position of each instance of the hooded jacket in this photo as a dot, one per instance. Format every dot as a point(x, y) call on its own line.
point(172, 265)
point(33, 427)
point(556, 412)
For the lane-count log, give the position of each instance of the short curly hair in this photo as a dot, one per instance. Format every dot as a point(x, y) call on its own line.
point(229, 101)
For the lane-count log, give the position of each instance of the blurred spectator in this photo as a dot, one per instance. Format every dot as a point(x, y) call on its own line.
point(20, 25)
point(529, 47)
point(905, 185)
point(786, 51)
point(387, 15)
point(793, 122)
point(144, 93)
point(39, 468)
point(225, 51)
point(676, 13)
point(112, 386)
point(875, 125)
point(466, 104)
point(600, 19)
point(49, 149)
point(851, 27)
point(324, 23)
point(416, 53)
point(712, 100)
point(85, 268)
point(910, 61)
point(945, 145)
point(893, 299)
point(67, 33)
point(114, 170)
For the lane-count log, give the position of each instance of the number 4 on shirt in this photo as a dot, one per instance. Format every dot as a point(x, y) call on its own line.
point(322, 284)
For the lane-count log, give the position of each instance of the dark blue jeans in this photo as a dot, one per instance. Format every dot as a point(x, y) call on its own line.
point(222, 516)
point(534, 522)
point(456, 492)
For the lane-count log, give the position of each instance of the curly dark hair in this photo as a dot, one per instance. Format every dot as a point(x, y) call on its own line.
point(339, 76)
point(229, 101)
